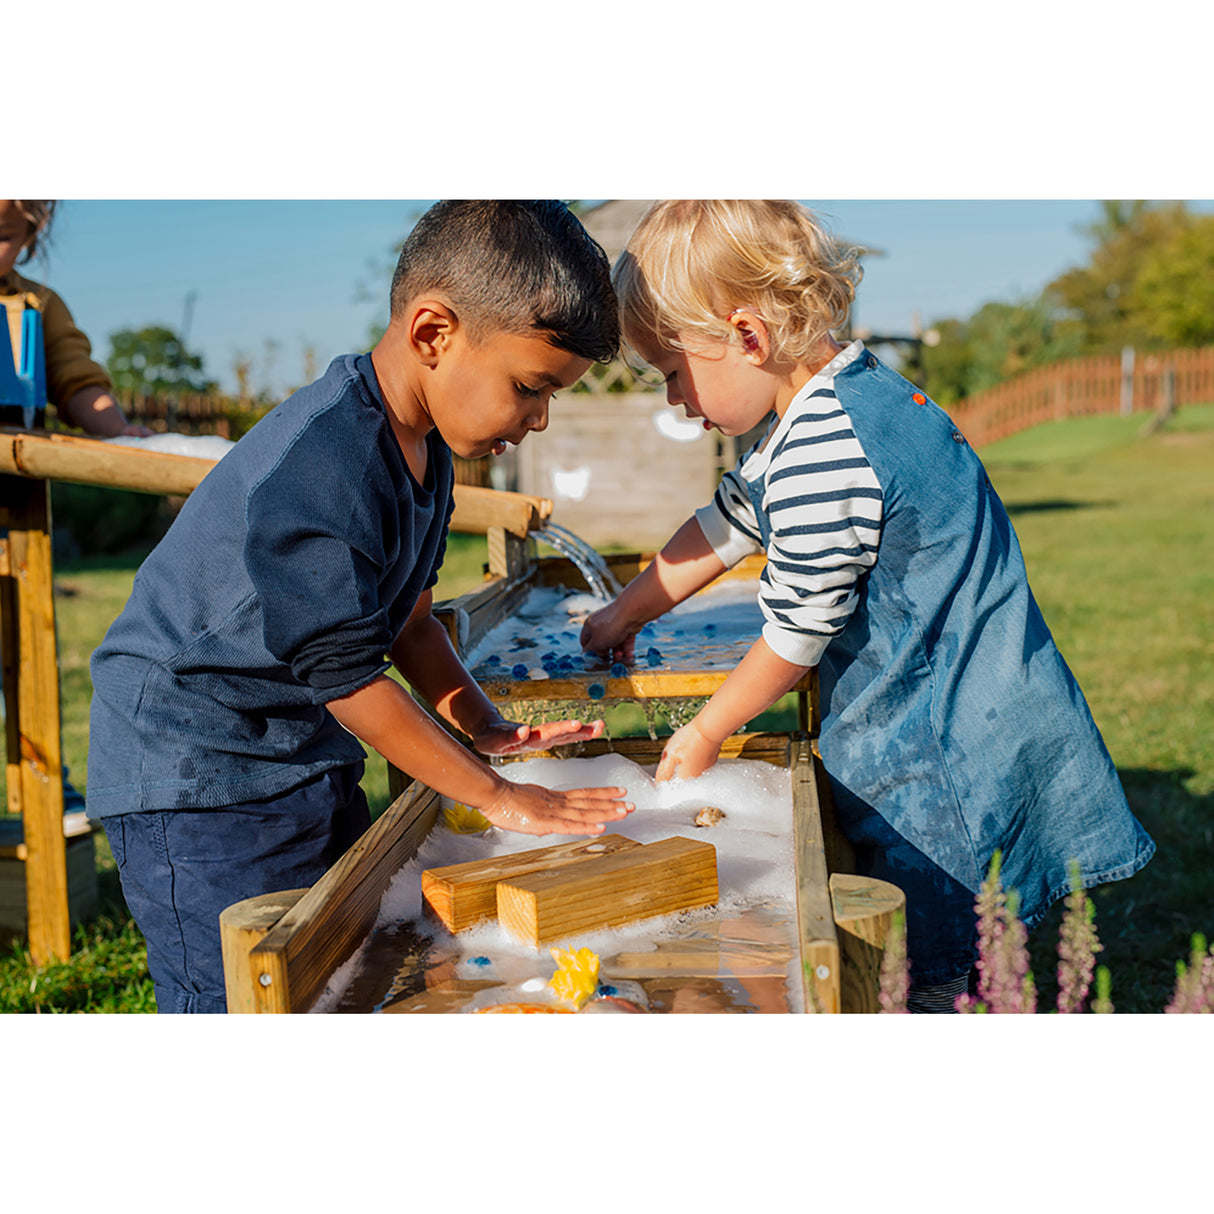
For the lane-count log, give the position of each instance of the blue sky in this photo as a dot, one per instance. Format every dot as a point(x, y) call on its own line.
point(299, 273)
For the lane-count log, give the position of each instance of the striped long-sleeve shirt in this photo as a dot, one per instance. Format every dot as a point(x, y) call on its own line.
point(821, 508)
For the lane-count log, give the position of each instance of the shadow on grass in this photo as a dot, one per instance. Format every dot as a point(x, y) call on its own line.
point(1146, 923)
point(1049, 505)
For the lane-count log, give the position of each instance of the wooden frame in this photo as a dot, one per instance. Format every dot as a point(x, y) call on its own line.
point(281, 948)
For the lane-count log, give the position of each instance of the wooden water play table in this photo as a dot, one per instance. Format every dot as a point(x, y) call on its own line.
point(282, 950)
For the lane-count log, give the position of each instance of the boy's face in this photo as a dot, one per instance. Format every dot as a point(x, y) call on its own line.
point(14, 232)
point(483, 395)
point(720, 386)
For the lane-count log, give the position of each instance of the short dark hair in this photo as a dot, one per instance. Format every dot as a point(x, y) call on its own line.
point(513, 266)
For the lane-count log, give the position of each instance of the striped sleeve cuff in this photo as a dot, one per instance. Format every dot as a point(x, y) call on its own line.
point(730, 544)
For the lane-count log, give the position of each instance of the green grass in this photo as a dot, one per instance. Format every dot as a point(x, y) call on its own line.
point(1118, 534)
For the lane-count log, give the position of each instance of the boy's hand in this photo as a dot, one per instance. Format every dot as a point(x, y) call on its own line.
point(603, 633)
point(687, 754)
point(530, 809)
point(507, 738)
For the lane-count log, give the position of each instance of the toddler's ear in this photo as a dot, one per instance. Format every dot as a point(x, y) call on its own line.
point(750, 329)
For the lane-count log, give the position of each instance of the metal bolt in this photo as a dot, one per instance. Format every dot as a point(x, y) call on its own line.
point(823, 971)
point(265, 979)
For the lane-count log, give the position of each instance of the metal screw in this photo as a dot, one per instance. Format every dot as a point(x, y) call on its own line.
point(823, 971)
point(265, 979)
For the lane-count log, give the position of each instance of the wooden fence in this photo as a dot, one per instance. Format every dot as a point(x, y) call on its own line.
point(1077, 387)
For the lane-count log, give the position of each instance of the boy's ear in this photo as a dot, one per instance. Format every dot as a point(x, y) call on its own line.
point(431, 326)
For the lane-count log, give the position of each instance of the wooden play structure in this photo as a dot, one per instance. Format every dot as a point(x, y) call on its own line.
point(54, 854)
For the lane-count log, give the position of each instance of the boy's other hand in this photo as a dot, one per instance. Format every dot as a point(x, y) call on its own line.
point(507, 738)
point(604, 634)
point(687, 754)
point(530, 809)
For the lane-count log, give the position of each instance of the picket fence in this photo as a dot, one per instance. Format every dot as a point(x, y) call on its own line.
point(1132, 382)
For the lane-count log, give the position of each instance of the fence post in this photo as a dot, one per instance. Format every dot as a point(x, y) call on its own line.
point(1127, 381)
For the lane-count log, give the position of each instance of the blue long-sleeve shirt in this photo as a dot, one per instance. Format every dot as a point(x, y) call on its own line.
point(279, 587)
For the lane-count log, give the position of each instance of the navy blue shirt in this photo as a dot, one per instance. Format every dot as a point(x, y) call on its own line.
point(279, 587)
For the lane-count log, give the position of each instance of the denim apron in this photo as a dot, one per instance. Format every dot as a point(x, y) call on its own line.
point(951, 725)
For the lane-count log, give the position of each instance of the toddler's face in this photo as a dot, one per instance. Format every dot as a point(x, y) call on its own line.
point(14, 232)
point(717, 385)
point(482, 396)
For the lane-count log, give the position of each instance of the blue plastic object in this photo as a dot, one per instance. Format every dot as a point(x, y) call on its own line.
point(23, 375)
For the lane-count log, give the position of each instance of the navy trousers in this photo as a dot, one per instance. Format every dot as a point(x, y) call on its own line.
point(181, 868)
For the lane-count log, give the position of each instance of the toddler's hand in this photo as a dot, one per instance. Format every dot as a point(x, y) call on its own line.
point(529, 809)
point(687, 754)
point(603, 634)
point(507, 738)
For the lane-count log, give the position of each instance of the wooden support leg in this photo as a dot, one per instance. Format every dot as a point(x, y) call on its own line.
point(35, 770)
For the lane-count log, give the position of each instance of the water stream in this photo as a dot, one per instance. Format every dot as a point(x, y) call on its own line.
point(588, 562)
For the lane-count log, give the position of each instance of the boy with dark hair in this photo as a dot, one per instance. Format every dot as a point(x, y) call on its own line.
point(231, 694)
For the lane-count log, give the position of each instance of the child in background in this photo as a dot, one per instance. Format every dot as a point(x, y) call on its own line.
point(79, 387)
point(951, 727)
point(231, 694)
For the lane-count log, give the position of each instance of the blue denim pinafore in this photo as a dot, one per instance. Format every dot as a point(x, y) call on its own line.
point(951, 725)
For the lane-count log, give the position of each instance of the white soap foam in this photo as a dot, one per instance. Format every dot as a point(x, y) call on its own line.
point(754, 845)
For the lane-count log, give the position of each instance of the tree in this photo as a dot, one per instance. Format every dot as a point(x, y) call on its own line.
point(1101, 298)
point(999, 341)
point(153, 362)
point(1174, 290)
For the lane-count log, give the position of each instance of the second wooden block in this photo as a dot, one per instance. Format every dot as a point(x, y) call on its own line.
point(640, 883)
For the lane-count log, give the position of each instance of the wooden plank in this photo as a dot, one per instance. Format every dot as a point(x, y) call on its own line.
point(771, 748)
point(863, 910)
point(464, 894)
point(89, 461)
point(39, 770)
point(295, 960)
point(653, 879)
point(477, 510)
point(815, 915)
point(600, 686)
point(242, 927)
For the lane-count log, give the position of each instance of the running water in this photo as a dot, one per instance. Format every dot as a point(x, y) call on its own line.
point(588, 562)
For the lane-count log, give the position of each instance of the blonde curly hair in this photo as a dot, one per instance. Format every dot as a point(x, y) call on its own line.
point(690, 263)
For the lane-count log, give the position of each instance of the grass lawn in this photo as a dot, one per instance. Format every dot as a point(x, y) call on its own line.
point(1118, 534)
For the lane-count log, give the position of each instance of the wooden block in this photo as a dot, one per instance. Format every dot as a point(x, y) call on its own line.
point(464, 894)
point(643, 882)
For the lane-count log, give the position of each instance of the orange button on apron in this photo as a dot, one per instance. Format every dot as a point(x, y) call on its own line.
point(919, 398)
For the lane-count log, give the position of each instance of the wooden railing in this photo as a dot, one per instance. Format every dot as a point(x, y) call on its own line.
point(1078, 387)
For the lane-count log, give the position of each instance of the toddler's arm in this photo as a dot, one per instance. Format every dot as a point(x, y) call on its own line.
point(753, 686)
point(685, 565)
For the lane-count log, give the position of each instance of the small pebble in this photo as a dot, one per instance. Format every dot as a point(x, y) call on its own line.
point(619, 671)
point(481, 961)
point(519, 670)
point(596, 691)
point(494, 660)
point(653, 656)
point(710, 815)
